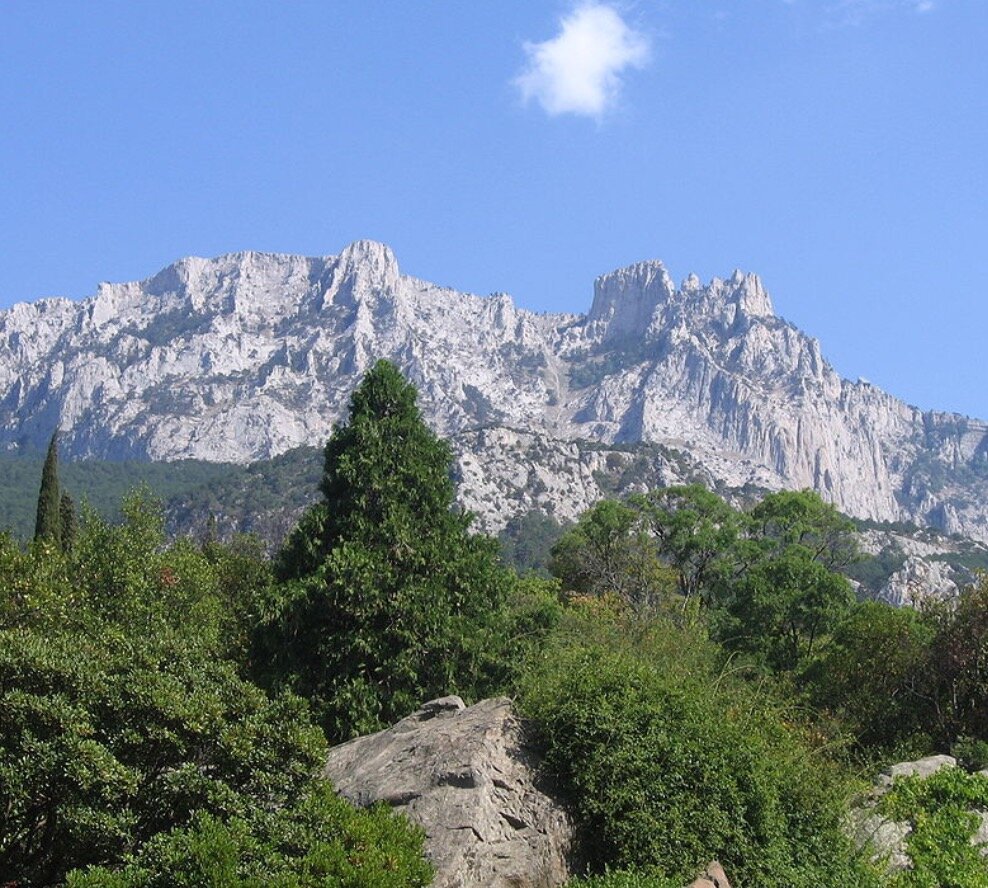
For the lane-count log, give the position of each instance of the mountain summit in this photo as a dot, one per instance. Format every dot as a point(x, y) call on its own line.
point(249, 354)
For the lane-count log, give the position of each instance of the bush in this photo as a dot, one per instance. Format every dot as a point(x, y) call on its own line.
point(105, 743)
point(322, 842)
point(131, 745)
point(971, 753)
point(668, 764)
point(873, 675)
point(939, 810)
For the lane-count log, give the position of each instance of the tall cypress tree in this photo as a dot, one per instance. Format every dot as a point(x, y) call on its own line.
point(48, 524)
point(67, 521)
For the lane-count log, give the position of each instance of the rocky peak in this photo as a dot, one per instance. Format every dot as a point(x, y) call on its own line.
point(364, 270)
point(748, 292)
point(625, 300)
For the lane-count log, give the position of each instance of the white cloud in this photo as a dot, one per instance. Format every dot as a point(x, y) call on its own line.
point(579, 70)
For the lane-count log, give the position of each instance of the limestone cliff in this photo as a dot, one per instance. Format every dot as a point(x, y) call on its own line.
point(247, 355)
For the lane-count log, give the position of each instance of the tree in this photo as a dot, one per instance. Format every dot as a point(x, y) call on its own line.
point(48, 524)
point(801, 518)
point(781, 606)
point(874, 674)
point(133, 751)
point(610, 551)
point(958, 667)
point(387, 599)
point(67, 524)
point(695, 530)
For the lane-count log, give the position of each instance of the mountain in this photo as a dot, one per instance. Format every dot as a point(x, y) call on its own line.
point(249, 355)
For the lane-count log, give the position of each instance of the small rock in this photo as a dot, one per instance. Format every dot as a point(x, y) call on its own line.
point(923, 768)
point(713, 877)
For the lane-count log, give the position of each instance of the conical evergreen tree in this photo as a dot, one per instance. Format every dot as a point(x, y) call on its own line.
point(394, 597)
point(68, 524)
point(48, 524)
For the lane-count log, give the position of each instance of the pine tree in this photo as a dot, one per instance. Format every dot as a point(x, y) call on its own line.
point(48, 524)
point(393, 597)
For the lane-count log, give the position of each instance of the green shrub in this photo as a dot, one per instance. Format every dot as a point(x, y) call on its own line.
point(626, 879)
point(131, 748)
point(669, 764)
point(940, 809)
point(323, 842)
point(873, 676)
point(971, 753)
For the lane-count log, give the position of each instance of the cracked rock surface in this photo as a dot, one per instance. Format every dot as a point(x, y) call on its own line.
point(468, 777)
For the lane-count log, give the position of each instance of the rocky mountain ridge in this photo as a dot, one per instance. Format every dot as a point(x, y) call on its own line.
point(248, 355)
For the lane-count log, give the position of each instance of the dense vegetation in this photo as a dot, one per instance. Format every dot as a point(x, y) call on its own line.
point(259, 498)
point(701, 679)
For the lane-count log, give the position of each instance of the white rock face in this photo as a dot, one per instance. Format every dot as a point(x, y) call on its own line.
point(248, 355)
point(917, 581)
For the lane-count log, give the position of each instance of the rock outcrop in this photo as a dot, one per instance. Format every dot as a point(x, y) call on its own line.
point(888, 838)
point(248, 355)
point(918, 581)
point(468, 777)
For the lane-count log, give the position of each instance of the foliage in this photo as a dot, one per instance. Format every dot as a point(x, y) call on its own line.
point(695, 531)
point(104, 743)
point(610, 551)
point(527, 540)
point(321, 842)
point(971, 753)
point(939, 809)
point(872, 572)
point(781, 606)
point(768, 577)
point(628, 878)
point(101, 484)
point(125, 727)
point(388, 599)
point(785, 594)
point(873, 675)
point(958, 667)
point(669, 763)
point(801, 518)
point(48, 523)
point(907, 679)
point(68, 525)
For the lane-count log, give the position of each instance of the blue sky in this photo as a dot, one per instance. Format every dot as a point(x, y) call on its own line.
point(838, 148)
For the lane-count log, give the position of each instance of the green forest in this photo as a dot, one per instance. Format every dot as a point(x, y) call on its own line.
point(701, 679)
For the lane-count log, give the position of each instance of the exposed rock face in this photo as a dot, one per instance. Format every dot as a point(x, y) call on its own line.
point(247, 355)
point(466, 775)
point(917, 581)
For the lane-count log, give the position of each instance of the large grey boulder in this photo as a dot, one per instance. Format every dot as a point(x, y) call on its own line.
point(468, 777)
